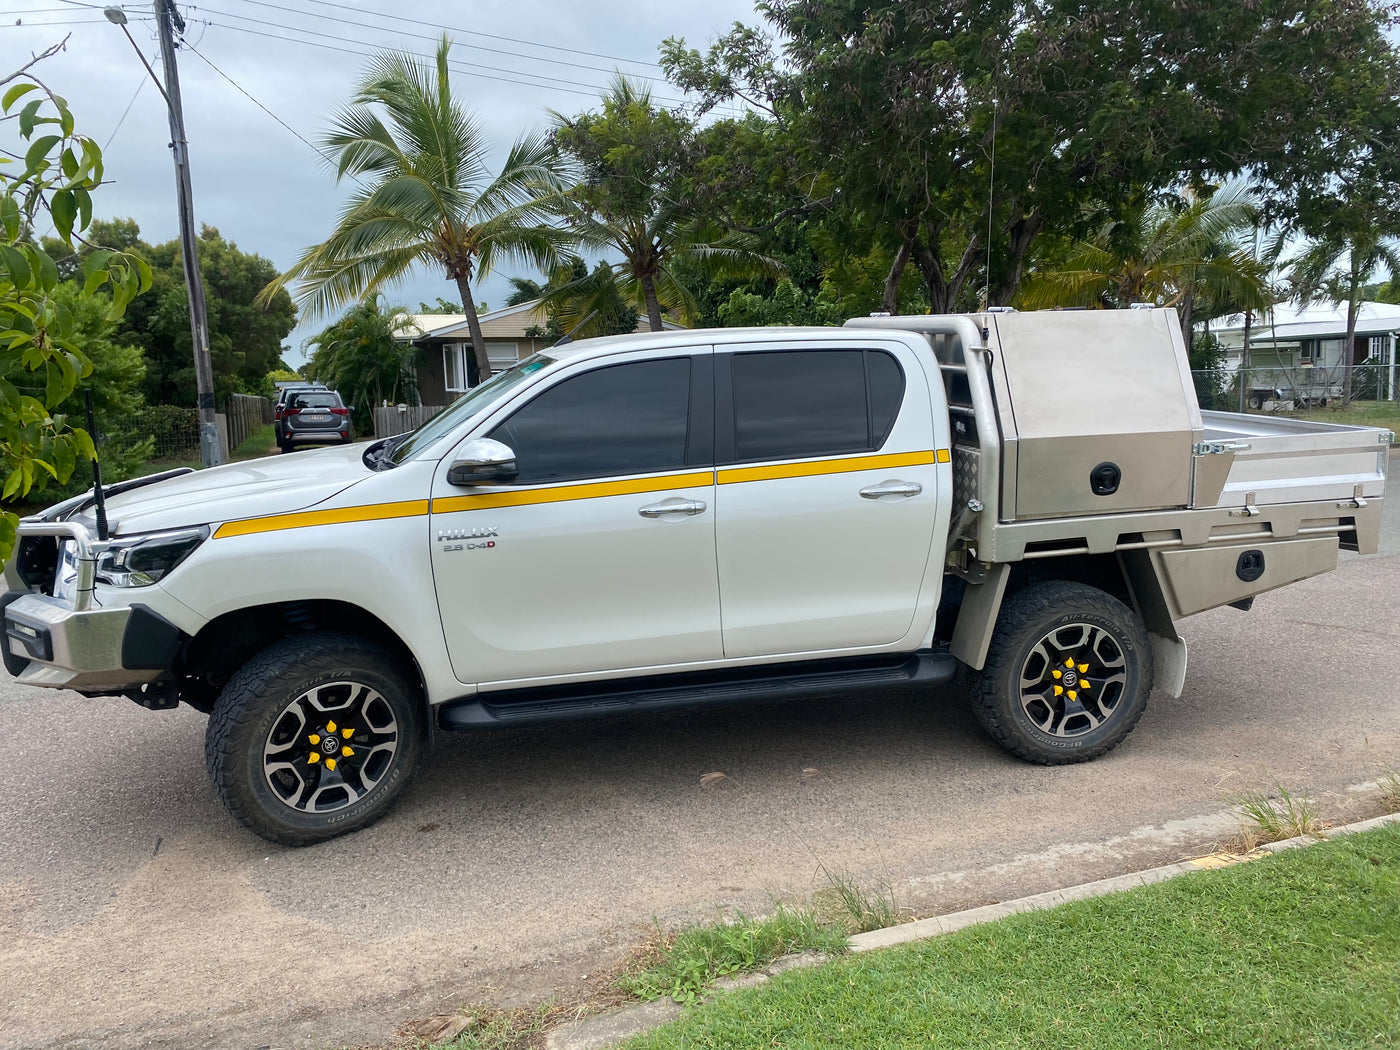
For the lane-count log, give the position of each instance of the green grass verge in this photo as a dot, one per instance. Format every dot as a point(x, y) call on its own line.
point(1296, 950)
point(258, 443)
point(1359, 413)
point(681, 965)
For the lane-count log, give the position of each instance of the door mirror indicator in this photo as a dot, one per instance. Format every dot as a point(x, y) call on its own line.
point(483, 461)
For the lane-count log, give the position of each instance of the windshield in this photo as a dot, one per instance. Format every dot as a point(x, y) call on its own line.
point(474, 401)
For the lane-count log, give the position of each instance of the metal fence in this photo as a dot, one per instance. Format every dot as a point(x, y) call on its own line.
point(245, 413)
point(400, 419)
point(1291, 389)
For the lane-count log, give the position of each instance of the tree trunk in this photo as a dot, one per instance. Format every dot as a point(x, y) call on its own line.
point(1244, 359)
point(1348, 347)
point(1188, 306)
point(890, 301)
point(1019, 237)
point(653, 304)
point(483, 363)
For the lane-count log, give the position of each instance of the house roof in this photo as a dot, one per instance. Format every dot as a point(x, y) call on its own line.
point(1321, 320)
point(509, 322)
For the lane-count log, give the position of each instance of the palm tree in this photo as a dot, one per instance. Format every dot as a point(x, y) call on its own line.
point(359, 356)
point(628, 203)
point(1335, 267)
point(1164, 254)
point(424, 194)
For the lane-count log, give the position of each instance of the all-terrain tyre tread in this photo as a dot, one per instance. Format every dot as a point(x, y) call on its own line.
point(237, 706)
point(1021, 614)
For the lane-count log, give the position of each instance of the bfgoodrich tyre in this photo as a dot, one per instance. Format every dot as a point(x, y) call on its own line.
point(315, 737)
point(1067, 676)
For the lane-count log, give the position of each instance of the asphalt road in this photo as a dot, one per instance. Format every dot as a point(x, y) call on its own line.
point(134, 912)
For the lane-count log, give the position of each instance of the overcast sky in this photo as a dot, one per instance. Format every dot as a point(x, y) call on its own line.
point(253, 179)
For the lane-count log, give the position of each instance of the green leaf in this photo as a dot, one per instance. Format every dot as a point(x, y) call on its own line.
point(28, 118)
point(9, 217)
point(64, 210)
point(38, 151)
point(48, 271)
point(84, 200)
point(16, 92)
point(16, 264)
point(68, 161)
point(12, 484)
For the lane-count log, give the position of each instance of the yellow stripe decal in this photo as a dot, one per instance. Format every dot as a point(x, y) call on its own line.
point(944, 456)
point(340, 516)
point(562, 493)
point(812, 468)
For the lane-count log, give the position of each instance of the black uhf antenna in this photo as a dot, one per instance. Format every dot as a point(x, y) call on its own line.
point(569, 335)
point(991, 190)
point(97, 495)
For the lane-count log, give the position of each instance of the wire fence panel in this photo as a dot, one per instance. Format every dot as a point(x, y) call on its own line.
point(400, 419)
point(1278, 388)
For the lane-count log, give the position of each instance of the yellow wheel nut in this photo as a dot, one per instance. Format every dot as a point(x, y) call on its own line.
point(314, 738)
point(313, 757)
point(1083, 668)
point(330, 764)
point(330, 726)
point(1059, 689)
point(1073, 695)
point(1057, 673)
point(345, 752)
point(1084, 684)
point(347, 732)
point(1069, 664)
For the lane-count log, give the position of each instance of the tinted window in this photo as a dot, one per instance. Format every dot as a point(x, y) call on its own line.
point(625, 419)
point(791, 404)
point(331, 400)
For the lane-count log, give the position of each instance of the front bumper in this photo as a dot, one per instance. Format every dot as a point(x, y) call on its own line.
point(79, 644)
point(48, 643)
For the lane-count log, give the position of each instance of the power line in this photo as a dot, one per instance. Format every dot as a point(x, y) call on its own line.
point(18, 24)
point(457, 43)
point(365, 43)
point(475, 32)
point(122, 119)
point(575, 87)
point(251, 99)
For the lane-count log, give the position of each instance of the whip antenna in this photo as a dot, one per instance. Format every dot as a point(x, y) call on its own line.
point(991, 182)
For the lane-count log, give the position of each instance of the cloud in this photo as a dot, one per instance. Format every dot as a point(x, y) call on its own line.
point(256, 181)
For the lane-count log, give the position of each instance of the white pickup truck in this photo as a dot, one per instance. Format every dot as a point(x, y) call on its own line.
point(696, 517)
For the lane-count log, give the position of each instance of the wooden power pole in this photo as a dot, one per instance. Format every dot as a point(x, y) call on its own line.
point(210, 453)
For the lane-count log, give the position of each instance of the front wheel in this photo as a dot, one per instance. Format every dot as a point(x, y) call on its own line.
point(315, 737)
point(1067, 676)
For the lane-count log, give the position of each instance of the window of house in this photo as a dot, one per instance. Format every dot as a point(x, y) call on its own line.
point(804, 403)
point(454, 372)
point(621, 419)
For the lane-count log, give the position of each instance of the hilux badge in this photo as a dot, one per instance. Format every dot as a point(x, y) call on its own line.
point(466, 534)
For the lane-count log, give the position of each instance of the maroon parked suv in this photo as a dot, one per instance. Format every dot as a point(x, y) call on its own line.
point(310, 416)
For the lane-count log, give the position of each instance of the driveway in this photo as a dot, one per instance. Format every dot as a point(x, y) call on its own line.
point(134, 912)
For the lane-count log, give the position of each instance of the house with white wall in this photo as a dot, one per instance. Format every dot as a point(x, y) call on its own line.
point(1305, 346)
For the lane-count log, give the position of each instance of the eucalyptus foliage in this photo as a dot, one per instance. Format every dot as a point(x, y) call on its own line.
point(41, 356)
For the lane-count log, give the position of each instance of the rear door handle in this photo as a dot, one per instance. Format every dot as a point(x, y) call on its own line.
point(674, 505)
point(892, 488)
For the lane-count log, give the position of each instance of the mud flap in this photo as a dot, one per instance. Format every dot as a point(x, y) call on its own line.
point(1168, 664)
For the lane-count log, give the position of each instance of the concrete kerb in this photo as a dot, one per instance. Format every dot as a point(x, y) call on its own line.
point(596, 1033)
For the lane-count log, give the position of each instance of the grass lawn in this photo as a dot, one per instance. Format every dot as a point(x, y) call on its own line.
point(1296, 950)
point(1359, 413)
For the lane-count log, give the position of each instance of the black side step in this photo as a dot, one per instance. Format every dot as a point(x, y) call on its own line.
point(525, 707)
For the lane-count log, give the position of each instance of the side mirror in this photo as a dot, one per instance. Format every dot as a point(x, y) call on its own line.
point(483, 461)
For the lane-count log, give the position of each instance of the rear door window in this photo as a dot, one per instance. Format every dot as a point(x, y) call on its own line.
point(794, 404)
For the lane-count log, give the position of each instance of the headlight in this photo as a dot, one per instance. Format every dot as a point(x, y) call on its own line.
point(139, 561)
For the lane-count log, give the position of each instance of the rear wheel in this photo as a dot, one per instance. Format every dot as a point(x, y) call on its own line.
point(1068, 674)
point(316, 736)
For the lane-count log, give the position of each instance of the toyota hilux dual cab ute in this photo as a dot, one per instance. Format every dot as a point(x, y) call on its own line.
point(693, 517)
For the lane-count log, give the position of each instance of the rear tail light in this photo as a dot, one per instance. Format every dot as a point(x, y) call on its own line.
point(341, 411)
point(290, 411)
point(277, 411)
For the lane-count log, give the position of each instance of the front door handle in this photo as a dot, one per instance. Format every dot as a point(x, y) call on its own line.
point(892, 488)
point(674, 505)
